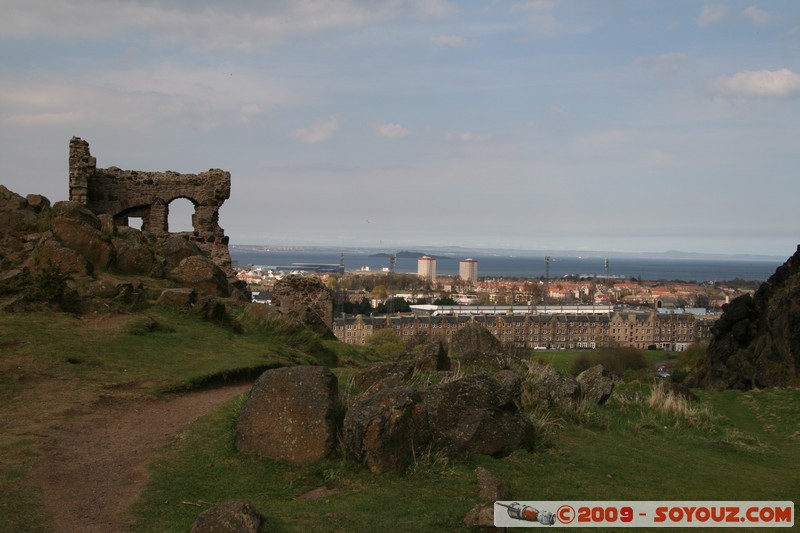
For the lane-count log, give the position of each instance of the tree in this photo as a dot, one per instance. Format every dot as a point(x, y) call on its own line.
point(398, 304)
point(379, 292)
point(444, 300)
point(359, 308)
point(385, 342)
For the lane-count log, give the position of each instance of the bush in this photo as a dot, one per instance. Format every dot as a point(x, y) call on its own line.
point(582, 362)
point(618, 360)
point(48, 285)
point(615, 360)
point(386, 342)
point(693, 358)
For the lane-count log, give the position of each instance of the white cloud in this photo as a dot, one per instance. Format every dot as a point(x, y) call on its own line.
point(207, 24)
point(757, 16)
point(760, 83)
point(162, 94)
point(711, 15)
point(449, 40)
point(319, 131)
point(391, 131)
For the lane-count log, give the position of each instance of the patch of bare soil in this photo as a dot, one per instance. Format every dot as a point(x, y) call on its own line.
point(92, 467)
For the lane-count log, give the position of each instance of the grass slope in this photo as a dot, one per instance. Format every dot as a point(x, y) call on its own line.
point(622, 451)
point(734, 446)
point(56, 365)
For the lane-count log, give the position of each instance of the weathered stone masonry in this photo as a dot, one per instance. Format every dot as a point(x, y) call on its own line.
point(133, 193)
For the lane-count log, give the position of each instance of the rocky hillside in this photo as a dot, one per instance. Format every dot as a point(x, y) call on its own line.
point(757, 341)
point(66, 254)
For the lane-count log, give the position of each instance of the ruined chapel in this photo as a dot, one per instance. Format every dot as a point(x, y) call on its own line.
point(124, 194)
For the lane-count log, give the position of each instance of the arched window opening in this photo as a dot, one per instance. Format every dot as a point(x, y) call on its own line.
point(136, 222)
point(181, 212)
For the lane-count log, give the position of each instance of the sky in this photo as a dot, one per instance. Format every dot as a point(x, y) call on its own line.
point(540, 125)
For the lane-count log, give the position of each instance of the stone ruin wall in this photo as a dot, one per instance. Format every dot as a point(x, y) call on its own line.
point(133, 193)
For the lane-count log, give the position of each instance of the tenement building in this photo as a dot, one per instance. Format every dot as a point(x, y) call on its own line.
point(637, 329)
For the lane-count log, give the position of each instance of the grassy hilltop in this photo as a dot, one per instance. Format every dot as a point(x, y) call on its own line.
point(54, 366)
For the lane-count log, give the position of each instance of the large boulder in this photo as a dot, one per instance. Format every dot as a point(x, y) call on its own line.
point(135, 253)
point(368, 377)
point(306, 300)
point(473, 340)
point(290, 415)
point(431, 356)
point(178, 299)
point(596, 385)
point(37, 202)
point(385, 429)
point(15, 213)
point(547, 387)
point(477, 414)
point(756, 342)
point(203, 274)
point(77, 228)
point(50, 252)
point(230, 516)
point(176, 248)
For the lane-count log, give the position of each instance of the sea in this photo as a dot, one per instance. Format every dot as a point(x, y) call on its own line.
point(500, 265)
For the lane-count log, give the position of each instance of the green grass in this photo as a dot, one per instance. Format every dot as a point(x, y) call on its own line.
point(737, 446)
point(742, 446)
point(562, 359)
point(54, 365)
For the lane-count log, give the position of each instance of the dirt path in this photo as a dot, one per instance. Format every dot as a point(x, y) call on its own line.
point(92, 467)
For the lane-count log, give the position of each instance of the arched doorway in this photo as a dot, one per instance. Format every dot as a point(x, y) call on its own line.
point(181, 215)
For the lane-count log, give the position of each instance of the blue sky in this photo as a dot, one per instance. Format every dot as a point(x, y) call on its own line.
point(583, 125)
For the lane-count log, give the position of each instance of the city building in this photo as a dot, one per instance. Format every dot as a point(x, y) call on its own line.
point(426, 268)
point(468, 270)
point(637, 329)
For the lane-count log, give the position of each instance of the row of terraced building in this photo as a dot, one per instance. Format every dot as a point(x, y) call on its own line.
point(638, 329)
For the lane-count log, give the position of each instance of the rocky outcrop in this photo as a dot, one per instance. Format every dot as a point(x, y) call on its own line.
point(178, 299)
point(477, 414)
point(50, 252)
point(306, 300)
point(392, 420)
point(365, 379)
point(547, 387)
point(136, 253)
point(290, 415)
point(68, 242)
point(384, 430)
point(123, 194)
point(756, 342)
point(78, 228)
point(230, 516)
point(431, 356)
point(472, 341)
point(596, 385)
point(201, 273)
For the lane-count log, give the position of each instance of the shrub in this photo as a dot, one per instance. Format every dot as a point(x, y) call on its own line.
point(693, 358)
point(386, 342)
point(582, 362)
point(618, 360)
